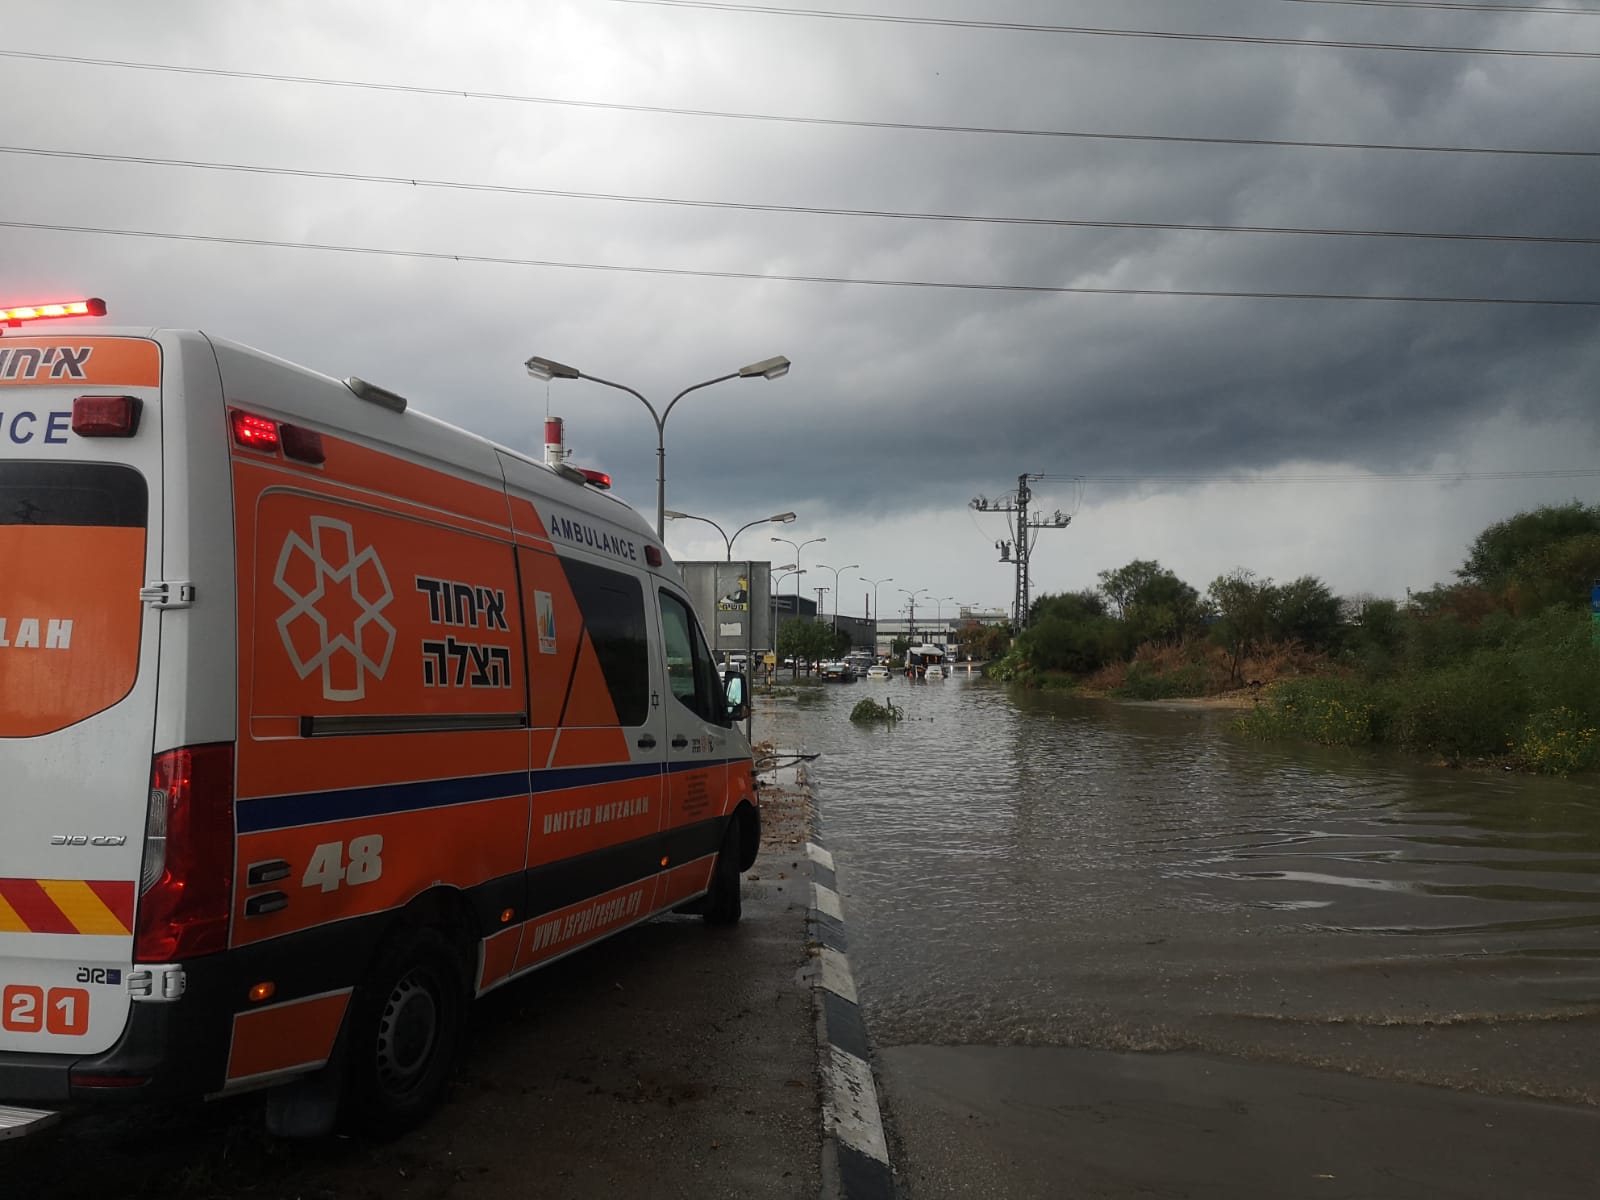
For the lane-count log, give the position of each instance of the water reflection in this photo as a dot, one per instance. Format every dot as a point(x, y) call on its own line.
point(1033, 868)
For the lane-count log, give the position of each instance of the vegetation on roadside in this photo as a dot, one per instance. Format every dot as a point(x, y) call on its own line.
point(811, 642)
point(867, 712)
point(1498, 666)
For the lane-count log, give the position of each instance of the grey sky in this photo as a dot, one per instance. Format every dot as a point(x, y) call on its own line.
point(903, 403)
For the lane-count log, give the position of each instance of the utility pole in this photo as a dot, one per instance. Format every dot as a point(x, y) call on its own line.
point(1024, 532)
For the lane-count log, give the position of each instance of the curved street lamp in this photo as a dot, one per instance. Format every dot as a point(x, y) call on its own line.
point(875, 583)
point(767, 368)
point(784, 572)
point(777, 519)
point(797, 547)
point(911, 621)
point(836, 570)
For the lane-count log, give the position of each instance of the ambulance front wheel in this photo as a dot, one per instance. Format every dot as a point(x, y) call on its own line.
point(408, 1021)
point(723, 906)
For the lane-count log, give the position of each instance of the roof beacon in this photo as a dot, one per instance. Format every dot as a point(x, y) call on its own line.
point(14, 317)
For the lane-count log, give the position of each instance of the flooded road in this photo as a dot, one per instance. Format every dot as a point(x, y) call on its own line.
point(1027, 870)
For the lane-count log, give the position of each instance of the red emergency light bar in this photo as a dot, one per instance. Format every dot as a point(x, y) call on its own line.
point(45, 312)
point(597, 479)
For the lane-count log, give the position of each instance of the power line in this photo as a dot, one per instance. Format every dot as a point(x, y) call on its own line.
point(1230, 39)
point(1524, 9)
point(779, 118)
point(795, 209)
point(1351, 477)
point(773, 277)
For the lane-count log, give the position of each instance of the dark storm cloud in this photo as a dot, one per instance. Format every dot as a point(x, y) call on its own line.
point(901, 400)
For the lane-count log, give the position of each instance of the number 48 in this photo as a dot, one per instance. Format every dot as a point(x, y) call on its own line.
point(329, 867)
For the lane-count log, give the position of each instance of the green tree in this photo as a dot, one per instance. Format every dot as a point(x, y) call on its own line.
point(983, 642)
point(1557, 574)
point(1305, 611)
point(1071, 631)
point(807, 641)
point(1154, 604)
point(1499, 550)
point(1244, 607)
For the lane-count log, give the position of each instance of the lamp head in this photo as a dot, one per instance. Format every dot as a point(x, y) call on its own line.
point(548, 368)
point(674, 515)
point(782, 518)
point(767, 368)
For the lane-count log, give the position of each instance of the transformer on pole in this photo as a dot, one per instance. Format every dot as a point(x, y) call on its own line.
point(1024, 532)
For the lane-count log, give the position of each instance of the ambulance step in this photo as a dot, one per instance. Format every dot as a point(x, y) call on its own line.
point(19, 1122)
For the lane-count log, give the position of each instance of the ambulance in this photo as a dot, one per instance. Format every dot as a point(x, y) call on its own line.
point(318, 718)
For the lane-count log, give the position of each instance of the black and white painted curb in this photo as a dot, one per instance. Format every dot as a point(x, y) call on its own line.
point(855, 1153)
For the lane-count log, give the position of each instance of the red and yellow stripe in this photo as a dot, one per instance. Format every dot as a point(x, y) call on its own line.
point(93, 906)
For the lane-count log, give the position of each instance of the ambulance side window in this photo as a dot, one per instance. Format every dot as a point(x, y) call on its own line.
point(612, 605)
point(691, 675)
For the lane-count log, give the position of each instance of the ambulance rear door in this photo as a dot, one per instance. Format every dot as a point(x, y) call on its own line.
point(80, 536)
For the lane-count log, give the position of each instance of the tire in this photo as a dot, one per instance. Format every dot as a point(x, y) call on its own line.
point(722, 903)
point(405, 1034)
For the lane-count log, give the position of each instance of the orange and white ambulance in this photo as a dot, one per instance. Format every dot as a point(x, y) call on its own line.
point(318, 717)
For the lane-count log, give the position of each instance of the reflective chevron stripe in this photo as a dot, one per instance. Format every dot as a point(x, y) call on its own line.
point(73, 906)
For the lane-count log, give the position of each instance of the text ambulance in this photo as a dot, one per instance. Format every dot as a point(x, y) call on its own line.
point(317, 718)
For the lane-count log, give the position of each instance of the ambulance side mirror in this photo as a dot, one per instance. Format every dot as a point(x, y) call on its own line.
point(737, 693)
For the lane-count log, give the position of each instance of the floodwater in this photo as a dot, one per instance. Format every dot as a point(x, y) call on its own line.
point(1035, 870)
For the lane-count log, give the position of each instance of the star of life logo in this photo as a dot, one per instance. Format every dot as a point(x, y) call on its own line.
point(358, 640)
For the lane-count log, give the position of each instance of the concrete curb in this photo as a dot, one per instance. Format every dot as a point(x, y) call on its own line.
point(855, 1152)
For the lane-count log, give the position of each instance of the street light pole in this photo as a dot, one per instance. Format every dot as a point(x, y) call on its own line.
point(798, 572)
point(767, 368)
point(875, 618)
point(911, 623)
point(777, 519)
point(836, 570)
point(939, 620)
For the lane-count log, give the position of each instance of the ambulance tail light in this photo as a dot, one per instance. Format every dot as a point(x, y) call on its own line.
point(186, 887)
point(106, 416)
point(255, 433)
point(268, 436)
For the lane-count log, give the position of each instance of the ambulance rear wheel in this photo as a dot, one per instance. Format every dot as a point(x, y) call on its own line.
point(408, 1022)
point(722, 903)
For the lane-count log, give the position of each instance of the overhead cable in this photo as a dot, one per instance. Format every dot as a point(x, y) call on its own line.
point(1350, 477)
point(779, 118)
point(1528, 10)
point(1166, 35)
point(774, 277)
point(795, 209)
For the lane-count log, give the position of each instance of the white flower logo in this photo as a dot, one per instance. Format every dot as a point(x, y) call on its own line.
point(329, 571)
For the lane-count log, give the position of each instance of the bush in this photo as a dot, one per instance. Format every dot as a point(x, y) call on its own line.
point(869, 711)
point(1462, 712)
point(1145, 682)
point(1558, 741)
point(1334, 712)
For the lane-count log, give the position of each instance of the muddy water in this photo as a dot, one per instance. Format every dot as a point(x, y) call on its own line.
point(1036, 870)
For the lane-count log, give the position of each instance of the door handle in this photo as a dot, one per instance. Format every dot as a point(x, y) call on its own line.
point(679, 742)
point(647, 741)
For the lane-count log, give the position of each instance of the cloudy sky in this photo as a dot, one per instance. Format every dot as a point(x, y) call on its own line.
point(1208, 432)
